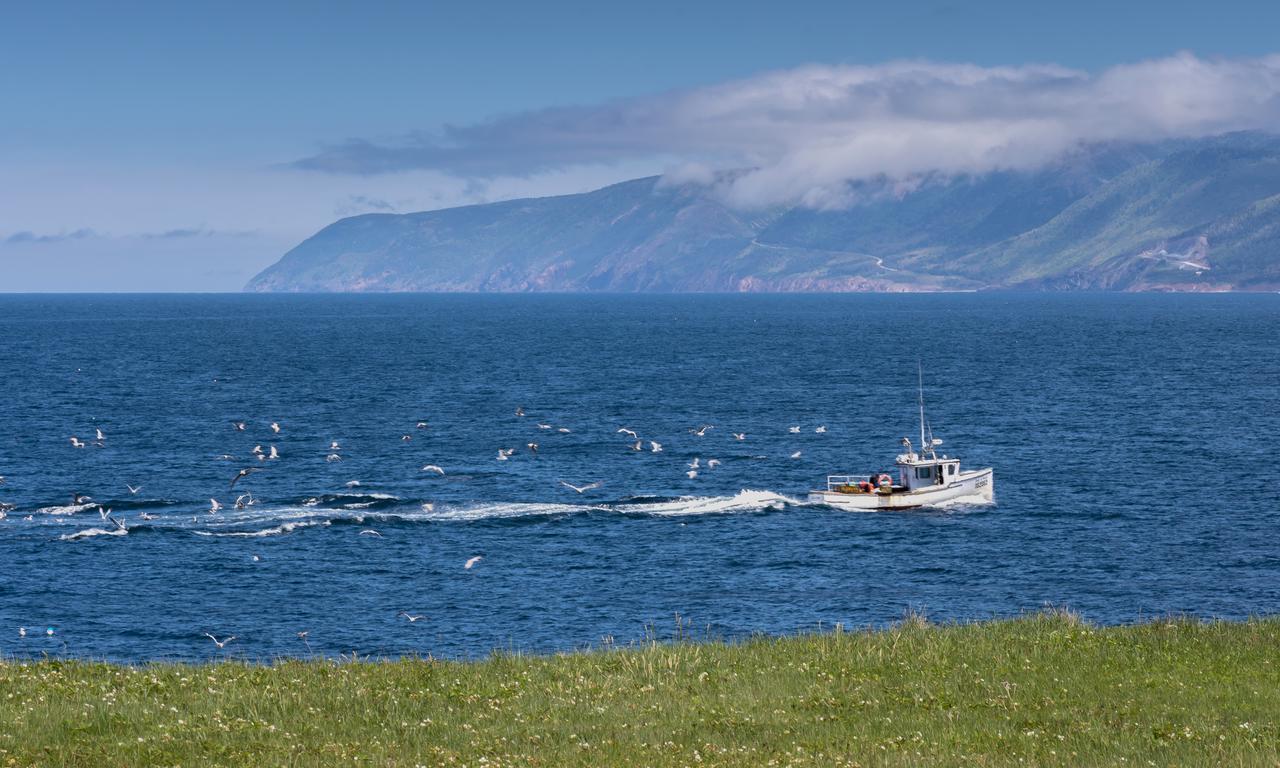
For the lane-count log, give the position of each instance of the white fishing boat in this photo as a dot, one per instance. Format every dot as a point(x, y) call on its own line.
point(924, 479)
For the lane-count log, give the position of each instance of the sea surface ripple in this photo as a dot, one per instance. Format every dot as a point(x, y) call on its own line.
point(1131, 437)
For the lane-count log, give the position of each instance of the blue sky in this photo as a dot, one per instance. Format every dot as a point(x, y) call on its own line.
point(155, 146)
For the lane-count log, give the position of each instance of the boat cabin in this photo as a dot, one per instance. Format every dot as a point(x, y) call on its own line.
point(916, 472)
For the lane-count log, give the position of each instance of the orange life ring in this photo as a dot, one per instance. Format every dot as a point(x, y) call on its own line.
point(884, 479)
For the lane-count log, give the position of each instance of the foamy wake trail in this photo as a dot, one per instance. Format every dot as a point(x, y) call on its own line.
point(66, 509)
point(277, 530)
point(495, 510)
point(90, 532)
point(742, 501)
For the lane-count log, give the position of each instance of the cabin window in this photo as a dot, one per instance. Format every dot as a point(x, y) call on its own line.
point(924, 473)
point(951, 469)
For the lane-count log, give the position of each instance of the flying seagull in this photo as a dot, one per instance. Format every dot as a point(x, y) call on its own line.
point(533, 447)
point(794, 430)
point(433, 468)
point(132, 490)
point(370, 532)
point(519, 410)
point(275, 427)
point(739, 435)
point(655, 446)
point(701, 431)
point(220, 643)
point(820, 430)
point(580, 489)
point(214, 506)
point(410, 617)
point(238, 426)
point(75, 442)
point(242, 473)
point(472, 561)
point(625, 431)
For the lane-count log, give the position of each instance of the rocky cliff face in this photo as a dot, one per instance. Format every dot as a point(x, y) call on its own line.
point(1196, 215)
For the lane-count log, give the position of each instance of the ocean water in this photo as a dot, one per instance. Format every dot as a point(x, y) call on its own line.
point(1131, 436)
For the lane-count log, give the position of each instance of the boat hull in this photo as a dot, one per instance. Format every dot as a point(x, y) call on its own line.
point(978, 484)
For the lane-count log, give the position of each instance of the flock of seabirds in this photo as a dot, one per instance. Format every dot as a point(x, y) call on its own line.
point(245, 499)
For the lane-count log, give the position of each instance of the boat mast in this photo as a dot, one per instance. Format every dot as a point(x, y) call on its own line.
point(920, 375)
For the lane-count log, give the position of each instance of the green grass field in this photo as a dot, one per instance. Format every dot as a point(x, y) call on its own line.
point(1042, 690)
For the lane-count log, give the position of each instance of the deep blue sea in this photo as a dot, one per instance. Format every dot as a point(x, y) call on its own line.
point(1132, 436)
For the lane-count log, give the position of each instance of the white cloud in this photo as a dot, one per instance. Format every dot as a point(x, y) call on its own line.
point(806, 131)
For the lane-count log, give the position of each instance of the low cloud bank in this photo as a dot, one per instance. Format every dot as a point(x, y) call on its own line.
point(806, 132)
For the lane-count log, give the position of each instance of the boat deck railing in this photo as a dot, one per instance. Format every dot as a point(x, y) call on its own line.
point(836, 482)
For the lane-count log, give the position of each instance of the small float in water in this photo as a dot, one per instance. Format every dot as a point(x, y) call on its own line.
point(924, 479)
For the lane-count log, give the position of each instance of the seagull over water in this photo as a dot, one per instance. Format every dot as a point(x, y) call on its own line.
point(655, 446)
point(739, 435)
point(275, 427)
point(214, 506)
point(433, 468)
point(625, 431)
point(701, 431)
point(472, 561)
point(243, 473)
point(410, 617)
point(75, 442)
point(580, 489)
point(238, 426)
point(794, 430)
point(132, 490)
point(820, 430)
point(220, 643)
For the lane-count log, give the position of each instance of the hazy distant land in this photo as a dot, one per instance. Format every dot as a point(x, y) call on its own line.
point(1200, 215)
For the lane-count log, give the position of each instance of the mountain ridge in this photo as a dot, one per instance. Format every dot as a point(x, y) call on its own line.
point(1191, 215)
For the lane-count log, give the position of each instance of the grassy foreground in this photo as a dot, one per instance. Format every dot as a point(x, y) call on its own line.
point(1043, 690)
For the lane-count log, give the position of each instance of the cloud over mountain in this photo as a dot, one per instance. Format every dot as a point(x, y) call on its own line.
point(807, 131)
